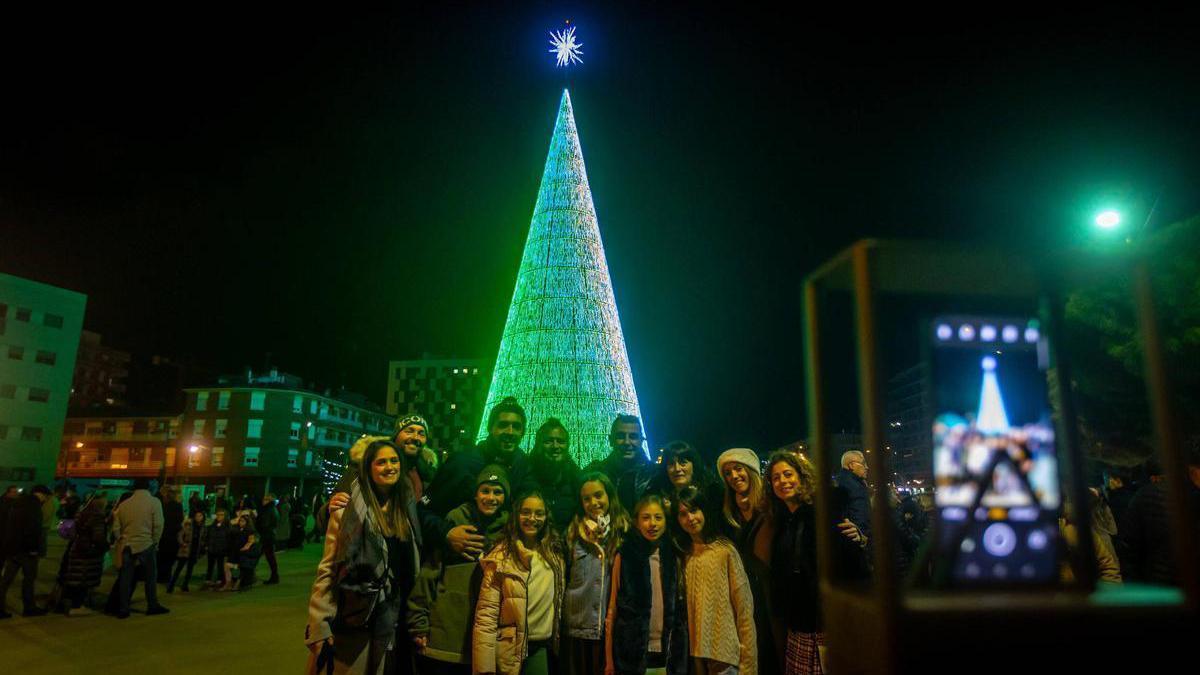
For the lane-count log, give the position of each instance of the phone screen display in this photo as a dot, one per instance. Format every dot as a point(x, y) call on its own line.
point(995, 466)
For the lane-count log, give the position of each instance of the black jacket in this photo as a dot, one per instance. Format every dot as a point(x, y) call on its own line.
point(1145, 535)
point(265, 523)
point(20, 526)
point(794, 569)
point(631, 625)
point(632, 479)
point(454, 485)
point(852, 499)
point(559, 483)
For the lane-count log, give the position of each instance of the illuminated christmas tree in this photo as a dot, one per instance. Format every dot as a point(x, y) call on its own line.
point(562, 353)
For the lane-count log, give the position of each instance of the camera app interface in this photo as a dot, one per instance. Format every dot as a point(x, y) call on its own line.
point(995, 468)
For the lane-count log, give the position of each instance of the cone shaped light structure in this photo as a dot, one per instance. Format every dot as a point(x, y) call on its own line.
point(563, 353)
point(991, 418)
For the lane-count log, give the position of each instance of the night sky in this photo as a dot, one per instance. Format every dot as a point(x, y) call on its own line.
point(342, 190)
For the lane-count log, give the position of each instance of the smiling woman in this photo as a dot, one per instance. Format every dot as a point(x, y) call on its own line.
point(367, 571)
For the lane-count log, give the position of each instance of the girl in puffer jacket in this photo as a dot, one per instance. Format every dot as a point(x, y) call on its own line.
point(520, 599)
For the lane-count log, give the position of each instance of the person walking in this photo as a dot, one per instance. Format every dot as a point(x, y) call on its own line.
point(138, 526)
point(265, 524)
point(21, 544)
point(366, 572)
point(283, 524)
point(173, 517)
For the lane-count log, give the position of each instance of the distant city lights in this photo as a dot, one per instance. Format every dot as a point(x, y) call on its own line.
point(945, 332)
point(1010, 334)
point(966, 332)
point(987, 333)
point(1032, 334)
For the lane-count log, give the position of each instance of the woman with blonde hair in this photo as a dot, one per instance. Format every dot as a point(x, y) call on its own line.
point(746, 515)
point(366, 572)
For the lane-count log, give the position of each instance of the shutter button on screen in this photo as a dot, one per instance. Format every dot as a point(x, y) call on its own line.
point(999, 539)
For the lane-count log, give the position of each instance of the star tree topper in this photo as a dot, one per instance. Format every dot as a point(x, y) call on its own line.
point(566, 51)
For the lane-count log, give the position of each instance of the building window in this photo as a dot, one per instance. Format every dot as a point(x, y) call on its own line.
point(170, 457)
point(292, 455)
point(194, 457)
point(31, 433)
point(223, 400)
point(254, 428)
point(201, 401)
point(8, 391)
point(23, 314)
point(297, 403)
point(3, 432)
point(308, 458)
point(250, 457)
point(46, 358)
point(312, 431)
point(258, 400)
point(218, 456)
point(16, 353)
point(312, 407)
point(3, 310)
point(295, 432)
point(53, 320)
point(220, 430)
point(137, 455)
point(39, 395)
point(197, 428)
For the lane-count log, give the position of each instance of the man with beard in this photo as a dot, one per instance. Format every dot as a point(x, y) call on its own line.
point(555, 472)
point(627, 465)
point(455, 483)
point(411, 435)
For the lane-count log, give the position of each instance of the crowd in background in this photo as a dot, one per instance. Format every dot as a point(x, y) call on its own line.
point(145, 535)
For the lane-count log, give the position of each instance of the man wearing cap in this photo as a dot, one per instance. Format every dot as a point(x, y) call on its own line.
point(412, 432)
point(454, 483)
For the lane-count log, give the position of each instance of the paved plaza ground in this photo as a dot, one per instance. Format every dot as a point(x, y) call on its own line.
point(259, 631)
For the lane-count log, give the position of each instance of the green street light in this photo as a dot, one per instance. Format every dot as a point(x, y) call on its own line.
point(1108, 220)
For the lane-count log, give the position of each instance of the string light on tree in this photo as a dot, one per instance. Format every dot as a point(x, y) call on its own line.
point(566, 51)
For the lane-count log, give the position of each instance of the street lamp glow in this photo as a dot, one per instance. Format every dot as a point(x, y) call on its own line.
point(1108, 220)
point(194, 449)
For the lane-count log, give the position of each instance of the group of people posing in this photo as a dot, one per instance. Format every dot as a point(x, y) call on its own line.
point(500, 561)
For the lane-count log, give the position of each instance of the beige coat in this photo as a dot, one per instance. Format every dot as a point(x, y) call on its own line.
point(499, 640)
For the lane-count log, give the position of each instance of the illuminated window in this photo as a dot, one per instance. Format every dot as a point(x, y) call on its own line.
point(197, 427)
point(294, 434)
point(201, 401)
point(308, 458)
point(250, 457)
point(292, 455)
point(220, 430)
point(297, 403)
point(223, 400)
point(258, 400)
point(218, 456)
point(254, 428)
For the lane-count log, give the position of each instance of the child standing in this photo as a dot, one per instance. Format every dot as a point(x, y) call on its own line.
point(442, 602)
point(593, 538)
point(720, 607)
point(645, 630)
point(218, 548)
point(520, 599)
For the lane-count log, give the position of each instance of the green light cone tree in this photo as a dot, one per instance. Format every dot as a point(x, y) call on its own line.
point(563, 353)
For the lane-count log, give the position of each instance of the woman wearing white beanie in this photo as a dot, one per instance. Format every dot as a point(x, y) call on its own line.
point(746, 512)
